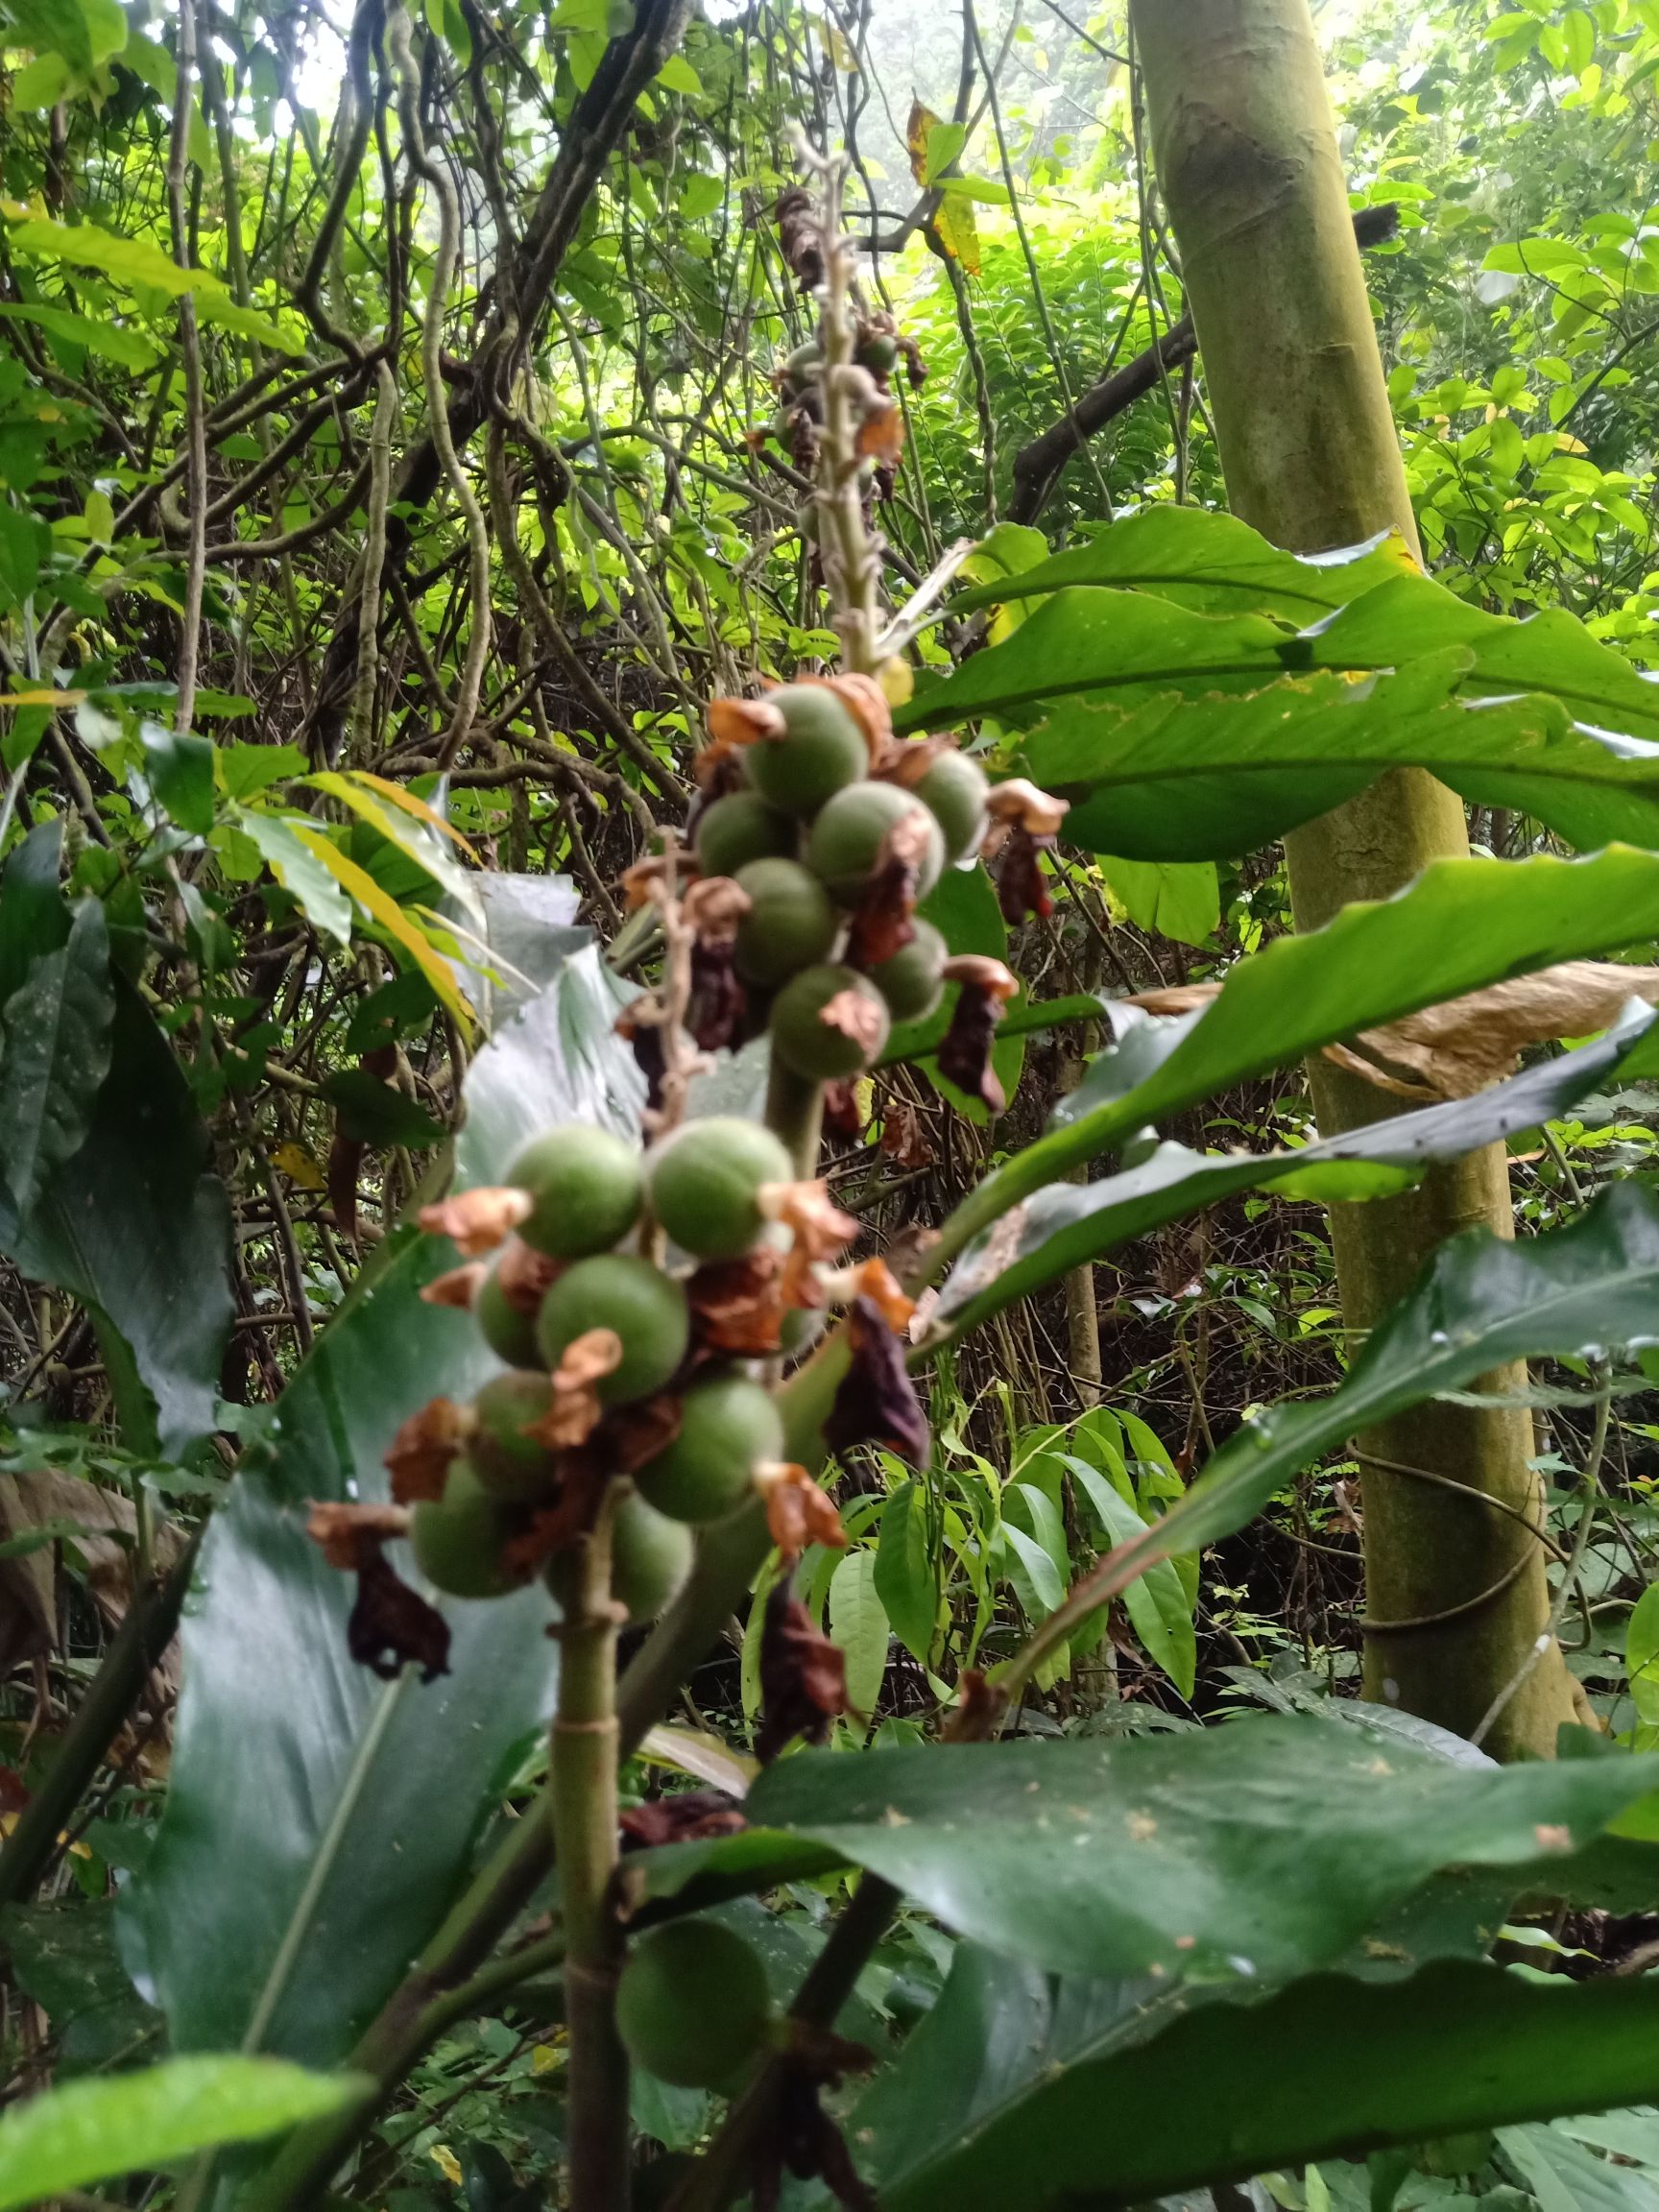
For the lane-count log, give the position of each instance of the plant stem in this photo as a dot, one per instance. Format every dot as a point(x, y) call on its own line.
point(794, 1114)
point(584, 1792)
point(139, 1644)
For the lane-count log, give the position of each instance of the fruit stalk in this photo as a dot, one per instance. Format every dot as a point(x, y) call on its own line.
point(584, 1794)
point(850, 568)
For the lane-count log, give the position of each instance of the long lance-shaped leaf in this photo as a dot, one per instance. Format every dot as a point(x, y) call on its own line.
point(1482, 1300)
point(1210, 562)
point(1011, 2098)
point(1069, 1224)
point(1119, 643)
point(1201, 779)
point(1461, 924)
point(1253, 1852)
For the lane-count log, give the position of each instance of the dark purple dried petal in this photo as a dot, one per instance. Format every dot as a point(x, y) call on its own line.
point(965, 1050)
point(391, 1624)
point(875, 1401)
point(803, 1675)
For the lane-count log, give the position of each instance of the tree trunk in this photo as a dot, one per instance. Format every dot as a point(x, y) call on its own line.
point(1250, 174)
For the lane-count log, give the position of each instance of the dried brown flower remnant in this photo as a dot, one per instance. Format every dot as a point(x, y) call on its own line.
point(865, 701)
point(798, 1511)
point(638, 1028)
point(524, 1276)
point(881, 432)
point(737, 1304)
point(389, 1625)
point(690, 1817)
point(906, 760)
point(882, 924)
point(965, 1051)
point(418, 1459)
point(874, 1279)
point(1020, 805)
point(632, 1433)
point(738, 721)
point(799, 2135)
point(821, 1230)
point(575, 1411)
point(801, 236)
point(1022, 892)
point(479, 1220)
point(803, 1676)
point(846, 1110)
point(876, 1401)
point(458, 1287)
point(339, 1529)
point(903, 1140)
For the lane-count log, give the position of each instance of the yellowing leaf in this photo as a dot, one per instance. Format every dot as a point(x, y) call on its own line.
point(545, 2058)
point(446, 2163)
point(381, 908)
point(38, 698)
point(354, 792)
point(299, 1166)
point(412, 804)
point(954, 228)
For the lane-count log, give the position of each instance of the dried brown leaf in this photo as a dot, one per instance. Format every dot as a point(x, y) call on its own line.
point(418, 1459)
point(737, 1304)
point(876, 1401)
point(803, 1676)
point(458, 1287)
point(798, 1511)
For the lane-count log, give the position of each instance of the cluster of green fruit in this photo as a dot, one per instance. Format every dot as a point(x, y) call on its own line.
point(587, 1192)
point(807, 839)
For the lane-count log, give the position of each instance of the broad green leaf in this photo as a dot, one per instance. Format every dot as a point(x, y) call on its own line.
point(1211, 563)
point(1185, 778)
point(312, 1840)
point(904, 1581)
point(372, 1112)
point(1461, 924)
point(1019, 2092)
point(179, 768)
point(64, 1954)
point(1480, 1303)
point(95, 2130)
point(1248, 1852)
point(133, 1222)
point(1157, 1604)
point(1128, 643)
point(25, 544)
point(1178, 899)
point(55, 1056)
point(944, 141)
point(129, 260)
point(1642, 1665)
point(858, 1625)
point(97, 333)
point(1092, 639)
point(1566, 2177)
point(301, 871)
point(1065, 1224)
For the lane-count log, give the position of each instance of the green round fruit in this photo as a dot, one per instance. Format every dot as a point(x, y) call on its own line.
point(692, 2005)
point(509, 1332)
point(738, 828)
point(804, 362)
point(911, 982)
point(821, 750)
point(878, 353)
point(510, 1464)
point(646, 1310)
point(705, 1180)
point(791, 921)
point(953, 792)
point(650, 1559)
point(817, 1049)
point(845, 848)
point(457, 1539)
point(585, 1184)
point(728, 1427)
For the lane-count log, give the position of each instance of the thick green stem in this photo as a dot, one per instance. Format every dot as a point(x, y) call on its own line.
point(139, 1641)
point(583, 1791)
point(1249, 169)
point(795, 1112)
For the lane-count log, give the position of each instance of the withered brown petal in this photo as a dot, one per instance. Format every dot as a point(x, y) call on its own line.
point(1022, 889)
point(418, 1459)
point(479, 1220)
point(965, 1050)
point(737, 1304)
point(523, 1275)
point(338, 1530)
point(689, 1817)
point(392, 1625)
point(631, 1434)
point(844, 1115)
point(803, 1676)
point(459, 1286)
point(876, 1401)
point(717, 1003)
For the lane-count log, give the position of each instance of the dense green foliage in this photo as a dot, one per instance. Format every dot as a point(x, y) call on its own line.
point(414, 441)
